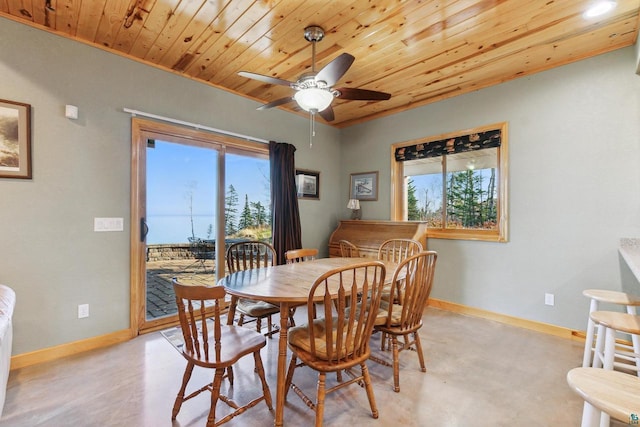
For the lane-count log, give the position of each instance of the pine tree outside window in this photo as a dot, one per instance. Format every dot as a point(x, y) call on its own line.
point(456, 182)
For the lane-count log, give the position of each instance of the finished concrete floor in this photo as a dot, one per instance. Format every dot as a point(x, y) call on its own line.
point(479, 373)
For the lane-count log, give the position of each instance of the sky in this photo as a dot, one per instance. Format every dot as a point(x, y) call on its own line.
point(178, 174)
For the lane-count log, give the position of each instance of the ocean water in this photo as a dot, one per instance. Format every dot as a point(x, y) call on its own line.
point(177, 228)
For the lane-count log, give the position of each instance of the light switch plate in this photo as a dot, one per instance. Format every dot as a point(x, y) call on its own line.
point(108, 224)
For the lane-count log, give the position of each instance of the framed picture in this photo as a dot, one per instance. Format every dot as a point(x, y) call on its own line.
point(364, 186)
point(308, 184)
point(15, 140)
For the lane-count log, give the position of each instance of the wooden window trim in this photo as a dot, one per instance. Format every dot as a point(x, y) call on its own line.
point(397, 191)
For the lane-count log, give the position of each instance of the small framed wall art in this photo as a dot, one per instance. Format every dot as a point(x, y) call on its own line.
point(364, 186)
point(308, 184)
point(15, 140)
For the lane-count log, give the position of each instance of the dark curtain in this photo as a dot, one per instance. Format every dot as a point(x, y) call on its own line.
point(458, 144)
point(286, 230)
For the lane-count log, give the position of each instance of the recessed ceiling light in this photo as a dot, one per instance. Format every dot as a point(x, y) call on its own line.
point(600, 8)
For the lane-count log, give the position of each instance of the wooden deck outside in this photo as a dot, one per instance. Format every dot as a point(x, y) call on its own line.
point(160, 297)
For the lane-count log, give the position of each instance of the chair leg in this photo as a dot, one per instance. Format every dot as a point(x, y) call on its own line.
point(587, 358)
point(322, 376)
point(258, 324)
point(215, 394)
point(269, 332)
point(598, 352)
point(292, 321)
point(416, 339)
point(230, 375)
point(180, 398)
point(289, 379)
point(369, 388)
point(241, 319)
point(383, 340)
point(635, 339)
point(590, 416)
point(265, 387)
point(396, 363)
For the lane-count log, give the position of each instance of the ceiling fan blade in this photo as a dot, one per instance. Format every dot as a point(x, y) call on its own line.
point(334, 70)
point(327, 114)
point(275, 103)
point(362, 94)
point(266, 79)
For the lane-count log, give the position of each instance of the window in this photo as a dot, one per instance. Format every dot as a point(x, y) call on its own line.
point(184, 211)
point(455, 182)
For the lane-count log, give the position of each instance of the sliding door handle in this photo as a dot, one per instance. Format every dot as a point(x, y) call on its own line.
point(144, 230)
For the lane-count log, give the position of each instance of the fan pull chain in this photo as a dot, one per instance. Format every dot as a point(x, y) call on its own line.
point(312, 127)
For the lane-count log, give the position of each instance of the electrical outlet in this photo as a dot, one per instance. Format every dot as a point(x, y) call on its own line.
point(549, 299)
point(83, 311)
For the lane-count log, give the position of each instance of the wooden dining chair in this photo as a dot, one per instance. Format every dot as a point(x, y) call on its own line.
point(405, 319)
point(348, 249)
point(247, 256)
point(340, 339)
point(397, 250)
point(298, 255)
point(210, 344)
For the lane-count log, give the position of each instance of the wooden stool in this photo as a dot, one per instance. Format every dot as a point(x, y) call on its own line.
point(606, 392)
point(611, 297)
point(610, 322)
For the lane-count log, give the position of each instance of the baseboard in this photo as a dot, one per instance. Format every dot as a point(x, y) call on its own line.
point(63, 350)
point(546, 328)
point(68, 349)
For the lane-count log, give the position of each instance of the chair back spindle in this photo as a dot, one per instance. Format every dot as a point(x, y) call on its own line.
point(195, 304)
point(397, 250)
point(348, 249)
point(347, 328)
point(299, 255)
point(250, 255)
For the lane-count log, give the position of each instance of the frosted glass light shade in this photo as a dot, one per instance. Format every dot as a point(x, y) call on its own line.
point(313, 99)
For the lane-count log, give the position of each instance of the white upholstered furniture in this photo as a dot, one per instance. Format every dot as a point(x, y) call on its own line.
point(7, 303)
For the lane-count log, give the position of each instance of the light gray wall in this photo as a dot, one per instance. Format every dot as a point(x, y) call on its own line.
point(574, 186)
point(81, 169)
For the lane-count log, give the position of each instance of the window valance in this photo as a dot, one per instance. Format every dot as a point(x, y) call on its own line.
point(457, 144)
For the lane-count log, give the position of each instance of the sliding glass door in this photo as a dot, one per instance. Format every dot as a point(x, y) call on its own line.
point(192, 192)
point(180, 221)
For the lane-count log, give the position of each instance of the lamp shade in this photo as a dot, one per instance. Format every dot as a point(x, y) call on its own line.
point(353, 204)
point(313, 99)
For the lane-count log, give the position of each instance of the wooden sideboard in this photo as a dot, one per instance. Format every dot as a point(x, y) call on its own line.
point(368, 235)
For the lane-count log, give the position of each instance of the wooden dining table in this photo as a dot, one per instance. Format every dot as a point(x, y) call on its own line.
point(285, 285)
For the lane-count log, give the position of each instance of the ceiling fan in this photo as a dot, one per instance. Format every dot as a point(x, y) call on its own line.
point(314, 91)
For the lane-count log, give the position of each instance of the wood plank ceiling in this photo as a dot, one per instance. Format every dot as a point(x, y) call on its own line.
point(418, 51)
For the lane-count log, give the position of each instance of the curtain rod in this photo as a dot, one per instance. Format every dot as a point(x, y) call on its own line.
point(193, 125)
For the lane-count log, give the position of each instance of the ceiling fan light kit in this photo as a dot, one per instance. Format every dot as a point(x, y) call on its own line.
point(314, 92)
point(313, 99)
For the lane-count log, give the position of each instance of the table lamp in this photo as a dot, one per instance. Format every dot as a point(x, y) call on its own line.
point(354, 205)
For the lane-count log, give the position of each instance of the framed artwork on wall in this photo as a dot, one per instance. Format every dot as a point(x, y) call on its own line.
point(15, 140)
point(364, 186)
point(308, 184)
